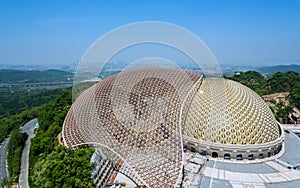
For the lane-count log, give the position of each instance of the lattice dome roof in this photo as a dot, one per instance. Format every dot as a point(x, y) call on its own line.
point(140, 115)
point(136, 114)
point(228, 112)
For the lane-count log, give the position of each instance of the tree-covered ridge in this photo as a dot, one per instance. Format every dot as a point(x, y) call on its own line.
point(295, 95)
point(14, 100)
point(52, 165)
point(64, 167)
point(15, 110)
point(276, 83)
point(18, 100)
point(283, 82)
point(252, 79)
point(263, 85)
point(51, 117)
point(9, 76)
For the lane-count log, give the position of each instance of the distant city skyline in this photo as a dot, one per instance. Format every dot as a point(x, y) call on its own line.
point(252, 33)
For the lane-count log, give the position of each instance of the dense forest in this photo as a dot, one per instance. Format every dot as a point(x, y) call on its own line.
point(295, 95)
point(10, 126)
point(52, 165)
point(263, 85)
point(64, 167)
point(46, 155)
point(18, 100)
point(19, 105)
point(17, 109)
point(276, 83)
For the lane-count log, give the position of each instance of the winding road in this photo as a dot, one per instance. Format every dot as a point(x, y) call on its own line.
point(3, 146)
point(29, 129)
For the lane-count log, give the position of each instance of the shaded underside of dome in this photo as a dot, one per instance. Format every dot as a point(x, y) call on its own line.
point(228, 112)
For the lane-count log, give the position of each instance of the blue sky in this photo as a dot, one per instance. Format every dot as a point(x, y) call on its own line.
point(252, 32)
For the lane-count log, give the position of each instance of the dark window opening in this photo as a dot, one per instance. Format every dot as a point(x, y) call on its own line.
point(227, 156)
point(214, 154)
point(193, 149)
point(239, 157)
point(250, 157)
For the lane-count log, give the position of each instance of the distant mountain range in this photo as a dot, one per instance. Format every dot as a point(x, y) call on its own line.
point(279, 68)
point(266, 70)
point(8, 76)
point(226, 69)
point(24, 67)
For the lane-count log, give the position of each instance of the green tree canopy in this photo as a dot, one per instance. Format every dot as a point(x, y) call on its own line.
point(65, 167)
point(253, 80)
point(295, 95)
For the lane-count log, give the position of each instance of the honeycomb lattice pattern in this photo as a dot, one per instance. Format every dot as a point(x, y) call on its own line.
point(227, 112)
point(137, 115)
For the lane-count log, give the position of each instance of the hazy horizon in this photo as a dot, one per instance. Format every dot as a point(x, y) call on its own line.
point(252, 33)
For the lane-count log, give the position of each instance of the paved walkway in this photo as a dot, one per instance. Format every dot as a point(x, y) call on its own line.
point(266, 173)
point(29, 129)
point(292, 151)
point(3, 170)
point(240, 179)
point(291, 126)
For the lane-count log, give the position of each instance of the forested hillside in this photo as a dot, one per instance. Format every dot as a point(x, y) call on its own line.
point(18, 100)
point(52, 165)
point(18, 104)
point(15, 99)
point(276, 83)
point(263, 85)
point(10, 124)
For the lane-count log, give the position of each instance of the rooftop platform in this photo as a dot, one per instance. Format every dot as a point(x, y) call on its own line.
point(262, 174)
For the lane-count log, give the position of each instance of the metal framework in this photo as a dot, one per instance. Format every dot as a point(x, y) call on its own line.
point(137, 115)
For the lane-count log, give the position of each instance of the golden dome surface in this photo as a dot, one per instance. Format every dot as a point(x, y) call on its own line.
point(228, 112)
